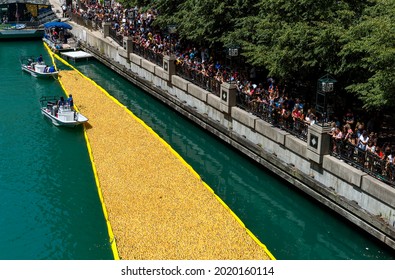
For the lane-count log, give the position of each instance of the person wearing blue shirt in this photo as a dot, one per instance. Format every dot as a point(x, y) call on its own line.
point(40, 59)
point(217, 65)
point(70, 101)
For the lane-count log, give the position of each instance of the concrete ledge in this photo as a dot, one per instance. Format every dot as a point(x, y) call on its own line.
point(296, 145)
point(379, 190)
point(390, 242)
point(135, 59)
point(273, 133)
point(122, 52)
point(197, 92)
point(244, 117)
point(160, 72)
point(147, 65)
point(314, 156)
point(225, 108)
point(213, 101)
point(179, 82)
point(343, 170)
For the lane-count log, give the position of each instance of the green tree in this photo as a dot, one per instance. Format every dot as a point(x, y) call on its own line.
point(134, 3)
point(202, 21)
point(368, 56)
point(295, 39)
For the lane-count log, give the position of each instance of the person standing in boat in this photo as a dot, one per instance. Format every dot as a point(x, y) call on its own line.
point(70, 101)
point(60, 102)
point(40, 59)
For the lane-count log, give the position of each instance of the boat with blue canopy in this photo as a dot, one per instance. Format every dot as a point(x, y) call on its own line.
point(58, 37)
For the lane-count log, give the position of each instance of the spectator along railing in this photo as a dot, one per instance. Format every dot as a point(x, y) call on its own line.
point(116, 36)
point(90, 24)
point(204, 81)
point(148, 54)
point(272, 115)
point(368, 162)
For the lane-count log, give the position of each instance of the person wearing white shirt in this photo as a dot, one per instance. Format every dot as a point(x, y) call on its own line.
point(363, 140)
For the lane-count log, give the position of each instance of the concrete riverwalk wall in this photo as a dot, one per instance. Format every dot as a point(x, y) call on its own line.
point(363, 200)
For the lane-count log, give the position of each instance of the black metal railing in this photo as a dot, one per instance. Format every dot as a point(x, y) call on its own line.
point(206, 82)
point(368, 162)
point(116, 36)
point(90, 24)
point(148, 54)
point(273, 115)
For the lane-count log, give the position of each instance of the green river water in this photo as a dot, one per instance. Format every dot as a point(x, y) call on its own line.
point(49, 206)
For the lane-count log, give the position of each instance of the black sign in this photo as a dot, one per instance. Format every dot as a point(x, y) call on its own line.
point(224, 95)
point(313, 141)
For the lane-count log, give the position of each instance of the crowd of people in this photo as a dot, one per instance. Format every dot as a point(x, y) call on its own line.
point(136, 23)
point(259, 97)
point(355, 139)
point(269, 98)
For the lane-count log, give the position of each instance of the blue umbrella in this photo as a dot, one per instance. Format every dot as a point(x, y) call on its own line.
point(58, 24)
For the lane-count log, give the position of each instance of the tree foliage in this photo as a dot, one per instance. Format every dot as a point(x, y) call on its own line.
point(202, 21)
point(368, 56)
point(298, 39)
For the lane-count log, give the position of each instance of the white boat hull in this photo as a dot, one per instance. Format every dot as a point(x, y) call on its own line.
point(60, 47)
point(38, 74)
point(21, 33)
point(64, 118)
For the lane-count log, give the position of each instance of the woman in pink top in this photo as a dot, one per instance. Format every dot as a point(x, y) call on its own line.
point(337, 139)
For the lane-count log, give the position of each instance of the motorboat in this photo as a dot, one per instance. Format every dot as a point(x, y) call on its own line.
point(24, 19)
point(58, 37)
point(62, 115)
point(38, 69)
